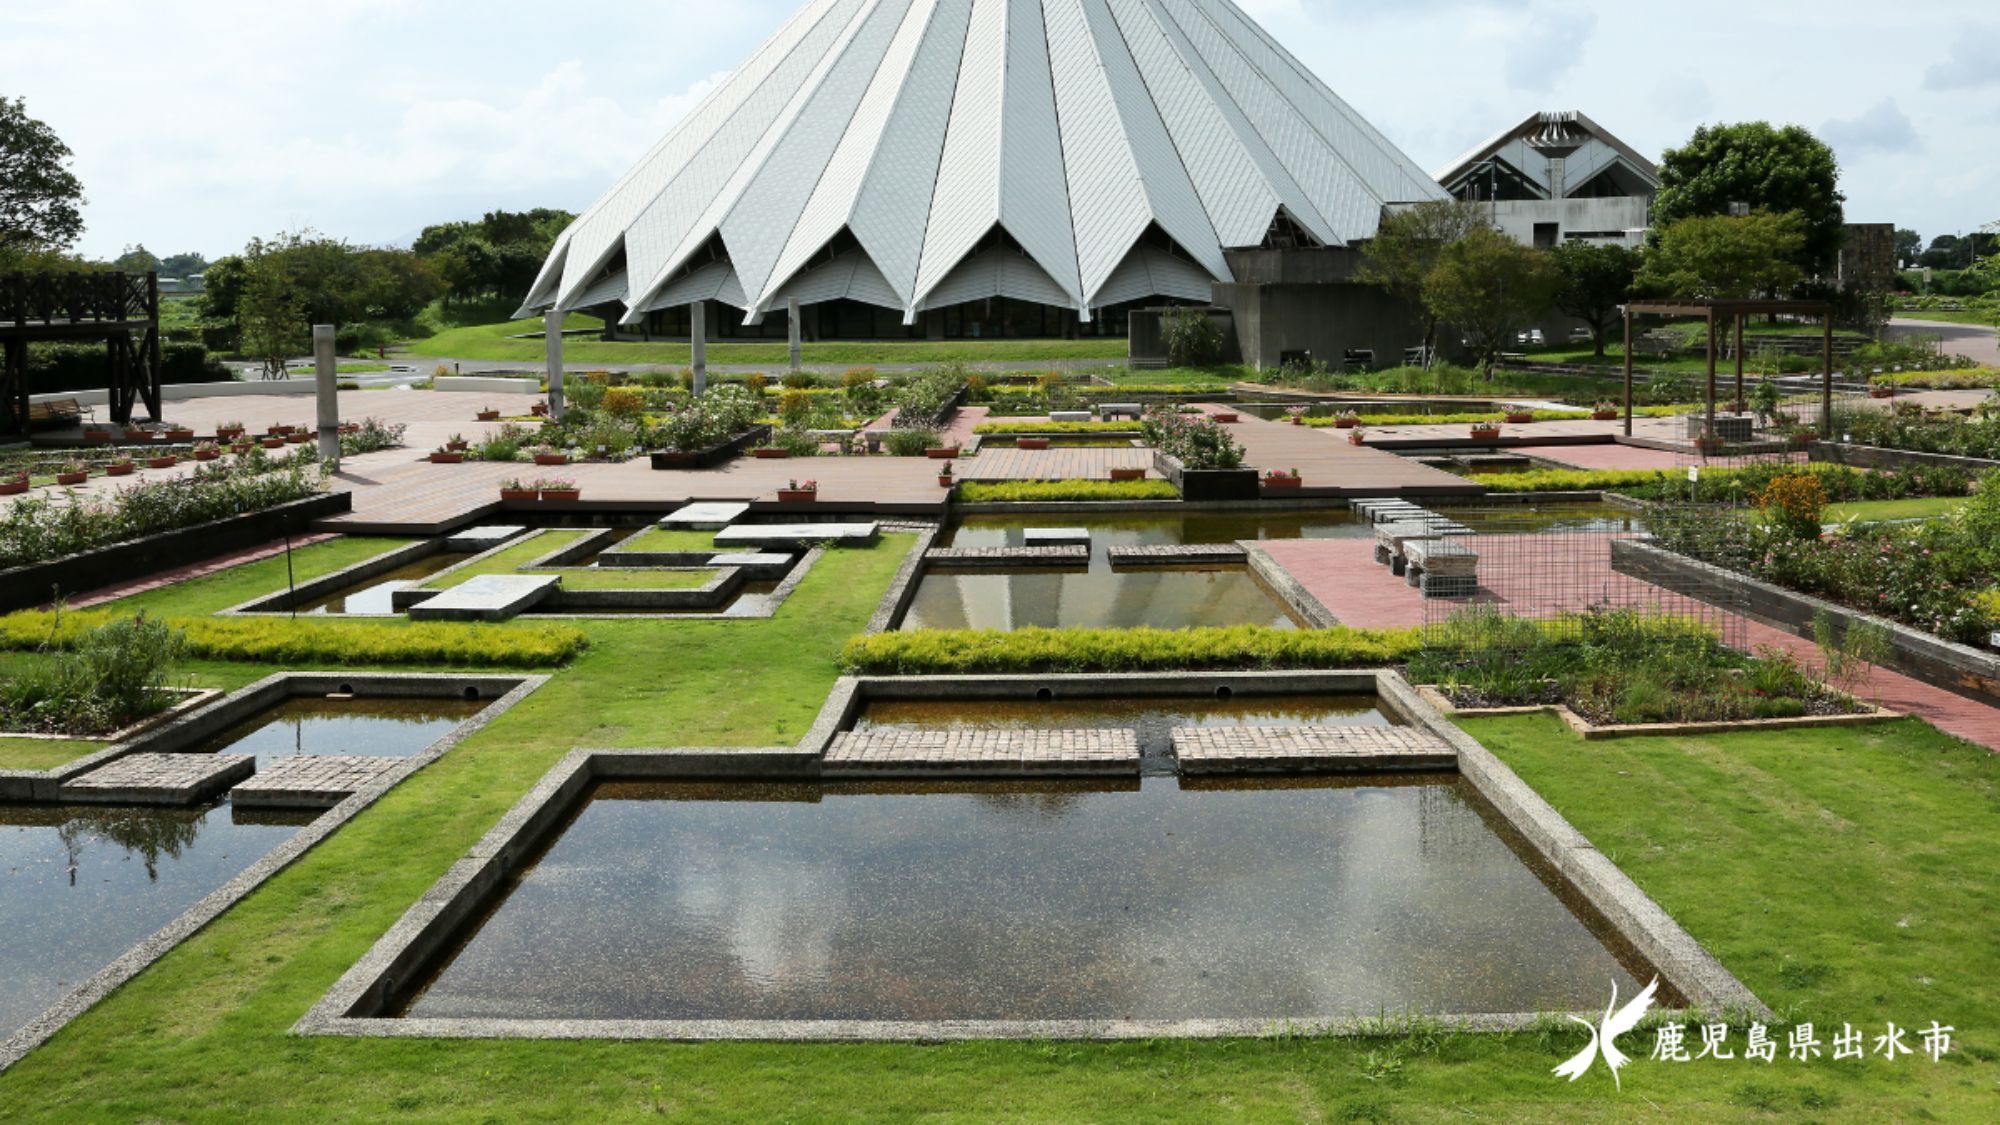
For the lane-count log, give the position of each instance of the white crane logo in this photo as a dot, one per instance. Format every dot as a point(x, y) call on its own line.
point(1604, 1034)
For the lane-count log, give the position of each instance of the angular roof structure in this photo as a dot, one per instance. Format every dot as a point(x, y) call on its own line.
point(1583, 157)
point(913, 154)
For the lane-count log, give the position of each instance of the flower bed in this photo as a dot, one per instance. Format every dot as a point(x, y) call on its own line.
point(1742, 484)
point(1913, 430)
point(959, 651)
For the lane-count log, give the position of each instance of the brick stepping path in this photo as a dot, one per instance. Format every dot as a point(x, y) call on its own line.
point(1355, 749)
point(1069, 554)
point(159, 779)
point(917, 753)
point(1176, 554)
point(311, 780)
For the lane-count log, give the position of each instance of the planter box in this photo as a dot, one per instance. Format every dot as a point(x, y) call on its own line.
point(1484, 433)
point(456, 446)
point(1605, 415)
point(561, 494)
point(13, 487)
point(1881, 392)
point(942, 452)
point(1226, 418)
point(1519, 419)
point(273, 443)
point(519, 494)
point(180, 435)
point(1346, 423)
point(1128, 474)
point(1876, 457)
point(228, 433)
point(714, 454)
point(138, 435)
point(1934, 660)
point(551, 458)
point(242, 447)
point(451, 458)
point(298, 438)
point(124, 470)
point(31, 585)
point(1282, 484)
point(488, 416)
point(1031, 443)
point(797, 495)
point(162, 462)
point(1207, 484)
point(207, 454)
point(71, 478)
point(770, 453)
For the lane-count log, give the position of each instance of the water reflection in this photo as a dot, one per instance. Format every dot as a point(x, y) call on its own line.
point(1148, 901)
point(379, 727)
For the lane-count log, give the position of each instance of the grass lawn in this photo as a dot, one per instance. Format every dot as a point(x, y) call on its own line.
point(1920, 507)
point(43, 753)
point(510, 559)
point(497, 342)
point(669, 539)
point(240, 584)
point(630, 578)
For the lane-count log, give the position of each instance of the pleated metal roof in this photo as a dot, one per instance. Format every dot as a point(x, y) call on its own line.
point(917, 153)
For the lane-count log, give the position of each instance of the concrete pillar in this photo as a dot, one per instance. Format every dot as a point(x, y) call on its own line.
point(327, 391)
point(698, 343)
point(552, 341)
point(792, 329)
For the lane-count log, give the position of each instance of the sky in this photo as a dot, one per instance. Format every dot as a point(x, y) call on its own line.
point(219, 120)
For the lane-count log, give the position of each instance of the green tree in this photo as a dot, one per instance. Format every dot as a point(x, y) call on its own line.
point(1771, 169)
point(499, 255)
point(1407, 247)
point(1725, 256)
point(41, 200)
point(136, 259)
point(183, 265)
point(1909, 244)
point(1596, 278)
point(1490, 287)
point(270, 311)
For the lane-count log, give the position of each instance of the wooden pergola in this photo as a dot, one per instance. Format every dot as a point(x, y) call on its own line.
point(1723, 309)
point(120, 310)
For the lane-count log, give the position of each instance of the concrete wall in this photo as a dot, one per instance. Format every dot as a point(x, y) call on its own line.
point(1517, 218)
point(1326, 319)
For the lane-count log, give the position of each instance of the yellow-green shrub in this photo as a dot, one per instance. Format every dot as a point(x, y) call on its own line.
point(276, 640)
point(1028, 491)
point(1125, 650)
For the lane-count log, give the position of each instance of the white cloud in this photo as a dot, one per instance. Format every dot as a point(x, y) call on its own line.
point(1882, 127)
point(1971, 64)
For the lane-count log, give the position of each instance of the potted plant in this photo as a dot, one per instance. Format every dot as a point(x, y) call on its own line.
point(229, 431)
point(1226, 417)
point(96, 434)
point(163, 461)
point(1031, 443)
point(298, 437)
point(72, 472)
point(1280, 479)
point(944, 476)
point(457, 443)
point(138, 433)
point(488, 414)
point(14, 485)
point(278, 429)
point(120, 467)
point(180, 433)
point(274, 441)
point(1606, 411)
point(799, 492)
point(1297, 415)
point(513, 489)
point(558, 488)
point(206, 451)
point(241, 446)
point(1346, 420)
point(1128, 474)
point(770, 452)
point(1804, 435)
point(445, 455)
point(941, 452)
point(1881, 386)
point(1517, 414)
point(550, 455)
point(539, 409)
point(1486, 431)
point(1708, 445)
point(1354, 437)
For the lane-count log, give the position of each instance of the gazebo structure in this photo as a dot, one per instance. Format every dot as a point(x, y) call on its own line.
point(120, 310)
point(1721, 310)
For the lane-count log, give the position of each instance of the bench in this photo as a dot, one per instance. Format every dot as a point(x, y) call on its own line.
point(1392, 539)
point(1441, 568)
point(1109, 410)
point(55, 413)
point(1069, 415)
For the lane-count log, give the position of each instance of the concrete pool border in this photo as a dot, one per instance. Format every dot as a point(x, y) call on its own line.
point(354, 1005)
point(505, 691)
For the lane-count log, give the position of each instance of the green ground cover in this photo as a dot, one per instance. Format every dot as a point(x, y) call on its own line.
point(1048, 491)
point(510, 559)
point(43, 753)
point(1921, 507)
point(240, 584)
point(669, 539)
point(629, 578)
point(497, 342)
point(1982, 319)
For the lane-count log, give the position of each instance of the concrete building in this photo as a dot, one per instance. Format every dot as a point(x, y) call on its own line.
point(1557, 177)
point(977, 168)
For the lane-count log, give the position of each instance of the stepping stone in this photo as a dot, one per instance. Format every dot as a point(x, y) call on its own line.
point(1050, 536)
point(489, 597)
point(954, 751)
point(706, 515)
point(311, 781)
point(1066, 554)
point(477, 539)
point(754, 564)
point(158, 779)
point(794, 536)
point(1335, 749)
point(1176, 554)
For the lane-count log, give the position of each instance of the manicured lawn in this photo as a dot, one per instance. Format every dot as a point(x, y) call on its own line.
point(629, 578)
point(42, 753)
point(1920, 507)
point(240, 584)
point(1843, 874)
point(496, 342)
point(510, 559)
point(664, 539)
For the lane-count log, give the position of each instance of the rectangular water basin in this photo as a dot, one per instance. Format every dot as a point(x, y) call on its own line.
point(373, 726)
point(1148, 900)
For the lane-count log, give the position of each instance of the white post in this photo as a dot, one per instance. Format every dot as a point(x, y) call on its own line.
point(698, 340)
point(326, 390)
point(552, 340)
point(792, 329)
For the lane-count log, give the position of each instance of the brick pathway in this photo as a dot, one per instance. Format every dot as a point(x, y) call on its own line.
point(1331, 466)
point(1058, 462)
point(994, 752)
point(1176, 554)
point(1317, 749)
point(1342, 575)
point(158, 779)
point(311, 780)
point(1069, 554)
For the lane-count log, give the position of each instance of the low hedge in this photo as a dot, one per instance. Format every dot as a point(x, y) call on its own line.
point(957, 651)
point(1451, 419)
point(1743, 485)
point(1056, 428)
point(1027, 491)
point(263, 640)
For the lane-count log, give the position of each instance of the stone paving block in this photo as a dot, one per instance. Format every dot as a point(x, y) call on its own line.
point(794, 536)
point(489, 597)
point(706, 515)
point(311, 781)
point(1052, 536)
point(158, 779)
point(482, 538)
point(1309, 749)
point(948, 751)
point(1071, 555)
point(1170, 554)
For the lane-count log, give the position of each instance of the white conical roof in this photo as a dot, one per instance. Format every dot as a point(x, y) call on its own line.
point(918, 153)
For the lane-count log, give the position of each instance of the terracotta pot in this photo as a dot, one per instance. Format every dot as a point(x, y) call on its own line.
point(228, 433)
point(1605, 415)
point(72, 478)
point(13, 487)
point(451, 458)
point(1298, 419)
point(551, 458)
point(1280, 484)
point(1128, 474)
point(162, 462)
point(1354, 438)
point(518, 494)
point(138, 435)
point(242, 446)
point(118, 470)
point(207, 454)
point(946, 480)
point(180, 435)
point(273, 443)
point(1225, 417)
point(455, 446)
point(298, 438)
point(797, 495)
point(1346, 423)
point(1485, 433)
point(1031, 443)
point(942, 452)
point(1881, 392)
point(1520, 418)
point(561, 493)
point(770, 453)
point(488, 416)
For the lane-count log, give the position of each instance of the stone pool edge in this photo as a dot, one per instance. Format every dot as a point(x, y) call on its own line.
point(192, 920)
point(432, 924)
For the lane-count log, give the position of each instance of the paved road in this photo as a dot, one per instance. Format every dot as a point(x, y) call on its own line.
point(1958, 339)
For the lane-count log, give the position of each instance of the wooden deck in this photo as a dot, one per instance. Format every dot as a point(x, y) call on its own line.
point(1333, 467)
